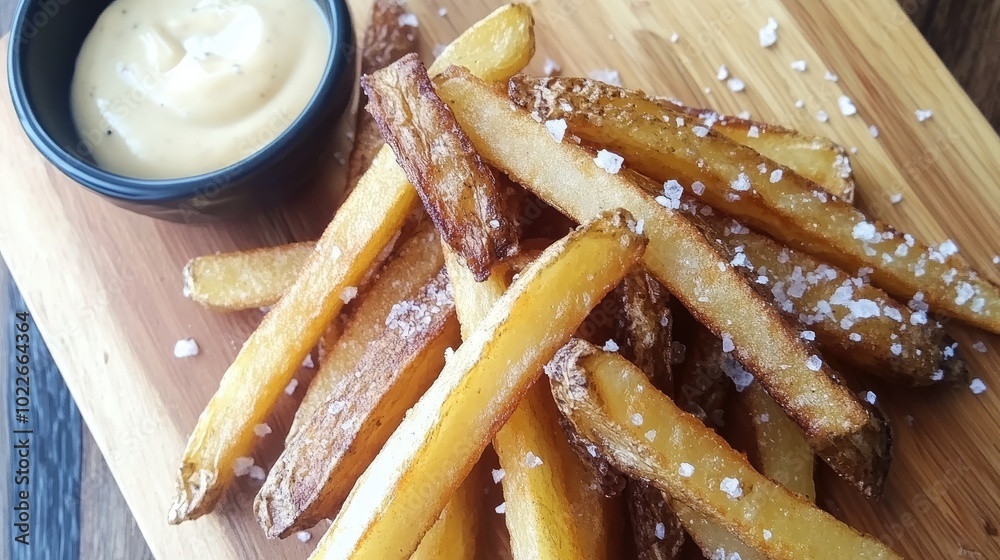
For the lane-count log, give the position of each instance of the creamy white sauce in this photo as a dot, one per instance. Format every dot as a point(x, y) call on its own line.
point(174, 88)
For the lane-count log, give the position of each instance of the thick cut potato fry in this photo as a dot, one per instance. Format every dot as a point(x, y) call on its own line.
point(455, 534)
point(714, 540)
point(766, 195)
point(386, 39)
point(702, 386)
point(848, 317)
point(784, 453)
point(458, 190)
point(495, 48)
point(850, 436)
point(613, 404)
point(644, 328)
point(318, 467)
point(816, 158)
point(245, 279)
point(406, 486)
point(657, 532)
point(414, 264)
point(539, 515)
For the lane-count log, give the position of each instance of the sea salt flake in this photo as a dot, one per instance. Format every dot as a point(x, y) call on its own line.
point(896, 348)
point(185, 348)
point(556, 128)
point(896, 198)
point(609, 161)
point(830, 76)
point(498, 475)
point(442, 11)
point(660, 531)
point(610, 346)
point(735, 85)
point(799, 103)
point(637, 419)
point(606, 75)
point(799, 65)
point(740, 377)
point(674, 37)
point(651, 435)
point(767, 535)
point(732, 487)
point(740, 183)
point(977, 386)
point(979, 346)
point(753, 132)
point(873, 130)
point(348, 294)
point(847, 107)
point(292, 385)
point(303, 536)
point(808, 335)
point(814, 363)
point(257, 473)
point(551, 67)
point(869, 397)
point(822, 116)
point(409, 19)
point(261, 430)
point(699, 131)
point(698, 187)
point(776, 175)
point(923, 114)
point(727, 343)
point(501, 509)
point(723, 73)
point(531, 460)
point(768, 35)
point(242, 465)
point(685, 470)
point(335, 252)
point(764, 418)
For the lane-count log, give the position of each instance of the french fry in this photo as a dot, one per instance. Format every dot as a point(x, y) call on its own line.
point(818, 159)
point(714, 540)
point(412, 266)
point(386, 39)
point(600, 520)
point(369, 218)
point(318, 467)
point(784, 453)
point(404, 489)
point(850, 436)
point(848, 317)
point(702, 386)
point(455, 534)
point(245, 279)
point(613, 404)
point(457, 189)
point(764, 194)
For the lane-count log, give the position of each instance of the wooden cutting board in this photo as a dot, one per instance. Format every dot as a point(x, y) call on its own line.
point(104, 285)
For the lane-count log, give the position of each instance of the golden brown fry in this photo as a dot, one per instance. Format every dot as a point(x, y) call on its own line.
point(454, 535)
point(714, 540)
point(414, 264)
point(784, 453)
point(644, 328)
point(495, 48)
point(764, 194)
point(849, 435)
point(458, 190)
point(612, 403)
point(539, 515)
point(245, 279)
point(702, 386)
point(657, 532)
point(816, 158)
point(318, 467)
point(406, 486)
point(386, 39)
point(848, 317)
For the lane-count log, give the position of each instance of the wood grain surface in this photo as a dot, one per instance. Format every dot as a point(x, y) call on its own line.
point(113, 309)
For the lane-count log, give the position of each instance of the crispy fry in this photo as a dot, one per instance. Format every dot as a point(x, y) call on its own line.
point(784, 453)
point(386, 39)
point(458, 190)
point(318, 467)
point(414, 264)
point(645, 326)
point(766, 195)
point(245, 279)
point(454, 535)
point(714, 540)
point(604, 395)
point(495, 48)
point(539, 515)
point(816, 158)
point(850, 436)
point(406, 486)
point(848, 317)
point(656, 530)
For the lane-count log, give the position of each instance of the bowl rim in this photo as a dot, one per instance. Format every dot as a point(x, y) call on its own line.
point(339, 61)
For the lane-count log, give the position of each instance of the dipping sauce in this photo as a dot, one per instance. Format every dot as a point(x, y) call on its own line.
point(174, 88)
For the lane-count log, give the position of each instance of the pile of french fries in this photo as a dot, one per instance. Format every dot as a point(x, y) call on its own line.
point(720, 275)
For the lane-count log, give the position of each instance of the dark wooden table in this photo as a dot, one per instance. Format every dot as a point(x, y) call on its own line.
point(79, 512)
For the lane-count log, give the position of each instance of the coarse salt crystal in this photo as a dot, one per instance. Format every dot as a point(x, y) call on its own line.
point(495, 224)
point(740, 183)
point(698, 187)
point(609, 161)
point(606, 75)
point(814, 363)
point(808, 335)
point(556, 128)
point(660, 531)
point(847, 107)
point(257, 473)
point(765, 418)
point(409, 19)
point(185, 348)
point(735, 85)
point(242, 465)
point(768, 35)
point(799, 103)
point(799, 65)
point(349, 294)
point(776, 175)
point(762, 279)
point(502, 508)
point(979, 346)
point(723, 73)
point(740, 377)
point(304, 536)
point(767, 535)
point(335, 252)
point(637, 419)
point(610, 346)
point(822, 116)
point(896, 348)
point(699, 131)
point(753, 132)
point(442, 11)
point(873, 130)
point(830, 76)
point(732, 487)
point(727, 343)
point(896, 198)
point(977, 386)
point(674, 37)
point(290, 388)
point(865, 231)
point(923, 114)
point(869, 397)
point(685, 470)
point(498, 475)
point(745, 115)
point(651, 435)
point(261, 430)
point(551, 67)
point(531, 460)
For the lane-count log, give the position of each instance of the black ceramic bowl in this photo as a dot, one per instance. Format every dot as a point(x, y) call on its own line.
point(44, 41)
